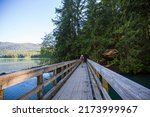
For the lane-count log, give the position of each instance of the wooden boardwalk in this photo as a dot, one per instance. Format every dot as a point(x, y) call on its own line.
point(90, 82)
point(77, 87)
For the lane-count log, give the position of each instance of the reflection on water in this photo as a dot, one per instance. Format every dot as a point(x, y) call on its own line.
point(19, 90)
point(8, 65)
point(45, 61)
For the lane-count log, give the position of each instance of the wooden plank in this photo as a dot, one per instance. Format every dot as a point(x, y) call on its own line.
point(96, 91)
point(62, 93)
point(11, 81)
point(88, 84)
point(126, 88)
point(105, 94)
point(76, 87)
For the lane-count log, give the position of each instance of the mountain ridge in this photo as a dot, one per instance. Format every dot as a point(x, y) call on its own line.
point(11, 48)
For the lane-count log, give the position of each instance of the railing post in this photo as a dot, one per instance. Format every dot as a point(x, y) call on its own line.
point(67, 70)
point(62, 69)
point(68, 67)
point(1, 94)
point(105, 84)
point(39, 82)
point(54, 74)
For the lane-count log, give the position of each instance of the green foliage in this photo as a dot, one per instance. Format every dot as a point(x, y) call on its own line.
point(90, 27)
point(19, 54)
point(48, 46)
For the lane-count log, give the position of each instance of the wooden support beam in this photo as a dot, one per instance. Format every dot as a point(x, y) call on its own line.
point(39, 82)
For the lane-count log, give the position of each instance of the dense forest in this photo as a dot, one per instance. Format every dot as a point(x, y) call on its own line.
point(93, 27)
point(16, 50)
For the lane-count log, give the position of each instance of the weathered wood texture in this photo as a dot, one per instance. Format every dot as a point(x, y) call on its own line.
point(39, 82)
point(95, 88)
point(21, 76)
point(77, 87)
point(99, 85)
point(11, 79)
point(51, 80)
point(56, 88)
point(126, 88)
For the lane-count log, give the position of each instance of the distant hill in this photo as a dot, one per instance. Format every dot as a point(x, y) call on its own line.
point(8, 49)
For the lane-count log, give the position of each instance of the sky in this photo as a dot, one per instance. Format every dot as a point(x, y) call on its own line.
point(26, 21)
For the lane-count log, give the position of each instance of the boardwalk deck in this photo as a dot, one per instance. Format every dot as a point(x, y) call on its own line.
point(77, 87)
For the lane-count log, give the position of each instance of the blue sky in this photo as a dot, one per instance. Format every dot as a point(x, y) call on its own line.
point(26, 21)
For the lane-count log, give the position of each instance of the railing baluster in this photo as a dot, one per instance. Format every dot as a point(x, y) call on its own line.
point(39, 82)
point(54, 74)
point(68, 66)
point(62, 69)
point(105, 84)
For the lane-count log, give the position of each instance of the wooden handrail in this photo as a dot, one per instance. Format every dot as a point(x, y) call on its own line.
point(99, 84)
point(124, 87)
point(15, 78)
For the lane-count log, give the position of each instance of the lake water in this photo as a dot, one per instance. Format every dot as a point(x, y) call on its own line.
point(8, 65)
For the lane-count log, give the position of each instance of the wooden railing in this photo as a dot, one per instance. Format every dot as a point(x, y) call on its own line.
point(124, 87)
point(66, 68)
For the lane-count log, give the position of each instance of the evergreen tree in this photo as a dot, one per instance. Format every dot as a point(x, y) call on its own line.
point(90, 27)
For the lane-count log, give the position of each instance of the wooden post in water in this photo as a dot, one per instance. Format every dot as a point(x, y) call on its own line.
point(39, 82)
point(105, 84)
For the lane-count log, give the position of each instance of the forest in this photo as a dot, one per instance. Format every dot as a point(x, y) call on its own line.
point(94, 28)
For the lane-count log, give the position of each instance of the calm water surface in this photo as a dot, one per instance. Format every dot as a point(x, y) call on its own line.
point(8, 65)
